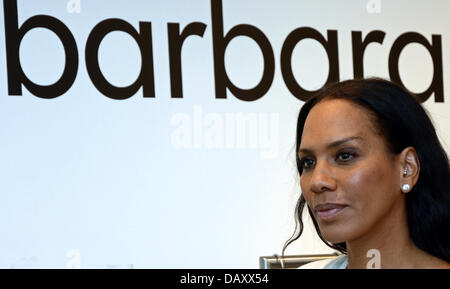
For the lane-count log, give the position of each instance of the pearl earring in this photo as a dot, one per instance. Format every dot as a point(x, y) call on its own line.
point(405, 188)
point(405, 173)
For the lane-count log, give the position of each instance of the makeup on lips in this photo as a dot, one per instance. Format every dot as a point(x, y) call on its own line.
point(328, 211)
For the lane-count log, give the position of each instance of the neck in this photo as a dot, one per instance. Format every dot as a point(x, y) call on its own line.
point(382, 250)
point(388, 245)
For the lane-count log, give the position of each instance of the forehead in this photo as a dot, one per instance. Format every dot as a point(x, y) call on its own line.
point(335, 119)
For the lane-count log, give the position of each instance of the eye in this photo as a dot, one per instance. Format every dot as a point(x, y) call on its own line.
point(345, 156)
point(307, 163)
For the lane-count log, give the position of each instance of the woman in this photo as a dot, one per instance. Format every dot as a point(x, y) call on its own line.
point(374, 177)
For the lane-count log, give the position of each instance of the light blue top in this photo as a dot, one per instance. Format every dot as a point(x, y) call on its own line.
point(340, 262)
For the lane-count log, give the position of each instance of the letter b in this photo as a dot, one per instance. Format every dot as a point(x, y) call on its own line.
point(14, 36)
point(220, 43)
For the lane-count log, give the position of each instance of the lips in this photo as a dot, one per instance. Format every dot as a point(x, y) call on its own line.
point(328, 211)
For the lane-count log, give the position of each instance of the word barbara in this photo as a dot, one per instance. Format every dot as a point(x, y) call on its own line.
point(220, 40)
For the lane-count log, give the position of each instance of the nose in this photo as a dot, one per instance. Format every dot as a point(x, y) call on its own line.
point(322, 178)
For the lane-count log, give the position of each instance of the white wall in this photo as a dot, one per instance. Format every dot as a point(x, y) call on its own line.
point(89, 181)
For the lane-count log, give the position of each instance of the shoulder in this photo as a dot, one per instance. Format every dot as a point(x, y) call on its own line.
point(339, 262)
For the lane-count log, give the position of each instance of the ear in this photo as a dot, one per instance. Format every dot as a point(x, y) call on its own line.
point(409, 163)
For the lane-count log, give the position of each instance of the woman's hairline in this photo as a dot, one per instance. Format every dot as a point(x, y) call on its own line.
point(375, 121)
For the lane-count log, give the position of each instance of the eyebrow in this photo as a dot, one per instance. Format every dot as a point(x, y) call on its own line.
point(334, 144)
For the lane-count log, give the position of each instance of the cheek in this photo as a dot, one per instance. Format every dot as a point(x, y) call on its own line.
point(358, 188)
point(304, 186)
point(360, 182)
point(369, 190)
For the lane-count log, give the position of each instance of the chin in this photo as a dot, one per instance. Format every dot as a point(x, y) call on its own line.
point(334, 238)
point(334, 234)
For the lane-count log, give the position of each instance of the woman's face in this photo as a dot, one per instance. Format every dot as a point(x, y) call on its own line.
point(350, 181)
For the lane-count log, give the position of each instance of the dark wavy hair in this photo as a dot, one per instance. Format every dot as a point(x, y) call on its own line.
point(400, 119)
